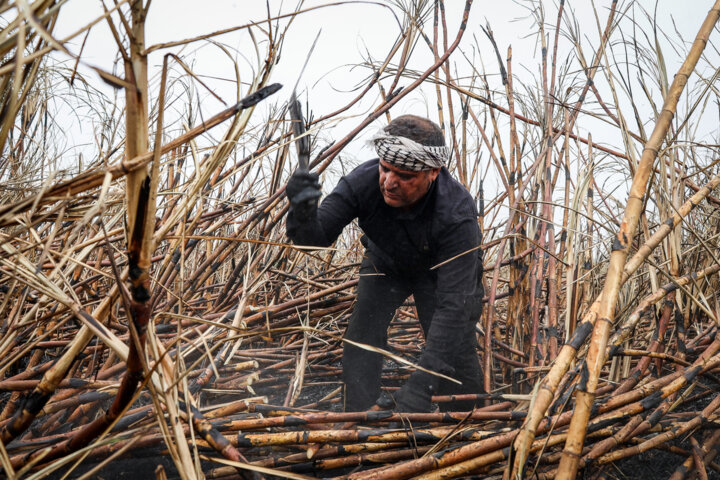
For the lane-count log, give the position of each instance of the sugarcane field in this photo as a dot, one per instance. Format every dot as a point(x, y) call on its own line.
point(382, 239)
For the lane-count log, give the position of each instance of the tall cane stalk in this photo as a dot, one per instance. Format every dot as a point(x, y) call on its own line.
point(606, 308)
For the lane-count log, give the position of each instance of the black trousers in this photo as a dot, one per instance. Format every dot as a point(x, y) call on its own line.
point(378, 297)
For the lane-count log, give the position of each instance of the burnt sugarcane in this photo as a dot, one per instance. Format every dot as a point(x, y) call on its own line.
point(218, 442)
point(601, 329)
point(366, 418)
point(707, 414)
point(432, 435)
point(86, 181)
point(302, 458)
point(474, 453)
point(33, 404)
point(710, 450)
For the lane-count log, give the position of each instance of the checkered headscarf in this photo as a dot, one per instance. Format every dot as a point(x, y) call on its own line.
point(404, 153)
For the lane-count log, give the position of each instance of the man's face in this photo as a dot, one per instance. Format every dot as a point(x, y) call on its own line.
point(404, 188)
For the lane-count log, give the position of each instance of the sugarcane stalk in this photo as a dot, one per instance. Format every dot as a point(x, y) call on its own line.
point(140, 217)
point(372, 458)
point(329, 452)
point(88, 180)
point(615, 408)
point(606, 309)
point(432, 435)
point(475, 465)
point(708, 413)
point(34, 403)
point(626, 328)
point(296, 420)
point(709, 447)
point(567, 353)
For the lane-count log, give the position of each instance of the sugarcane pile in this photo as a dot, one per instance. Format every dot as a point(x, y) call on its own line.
point(157, 321)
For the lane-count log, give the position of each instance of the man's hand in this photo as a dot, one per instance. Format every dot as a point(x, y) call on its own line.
point(416, 394)
point(303, 191)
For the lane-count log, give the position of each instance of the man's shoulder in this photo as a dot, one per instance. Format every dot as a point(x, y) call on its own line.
point(453, 201)
point(363, 179)
point(366, 170)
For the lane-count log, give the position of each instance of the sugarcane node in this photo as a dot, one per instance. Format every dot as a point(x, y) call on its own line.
point(90, 319)
point(243, 441)
point(691, 373)
point(651, 401)
point(570, 453)
point(135, 273)
point(139, 290)
point(78, 383)
point(374, 416)
point(584, 378)
point(582, 331)
point(134, 376)
point(617, 244)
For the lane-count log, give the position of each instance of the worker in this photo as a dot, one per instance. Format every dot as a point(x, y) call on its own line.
point(421, 238)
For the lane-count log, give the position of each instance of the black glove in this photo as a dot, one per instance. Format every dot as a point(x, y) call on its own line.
point(416, 394)
point(303, 191)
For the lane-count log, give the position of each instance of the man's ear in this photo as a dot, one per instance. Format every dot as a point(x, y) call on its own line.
point(433, 174)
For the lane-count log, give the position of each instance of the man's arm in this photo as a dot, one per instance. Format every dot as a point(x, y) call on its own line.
point(455, 294)
point(320, 226)
point(456, 291)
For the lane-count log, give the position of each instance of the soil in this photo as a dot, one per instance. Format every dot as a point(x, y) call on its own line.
point(651, 464)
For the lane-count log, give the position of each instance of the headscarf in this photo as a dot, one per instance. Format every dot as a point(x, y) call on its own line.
point(407, 154)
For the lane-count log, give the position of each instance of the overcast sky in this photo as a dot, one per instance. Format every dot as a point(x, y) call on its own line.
point(350, 32)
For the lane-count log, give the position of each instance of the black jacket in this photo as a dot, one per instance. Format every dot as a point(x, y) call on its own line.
point(441, 227)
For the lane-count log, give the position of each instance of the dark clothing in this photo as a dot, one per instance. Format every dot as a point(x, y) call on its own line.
point(378, 298)
point(402, 249)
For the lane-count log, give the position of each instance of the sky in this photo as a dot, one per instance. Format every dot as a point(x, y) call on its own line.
point(348, 33)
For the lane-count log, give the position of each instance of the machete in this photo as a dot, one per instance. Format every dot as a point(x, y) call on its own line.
point(302, 141)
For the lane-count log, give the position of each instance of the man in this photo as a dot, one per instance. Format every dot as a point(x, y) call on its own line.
point(421, 238)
